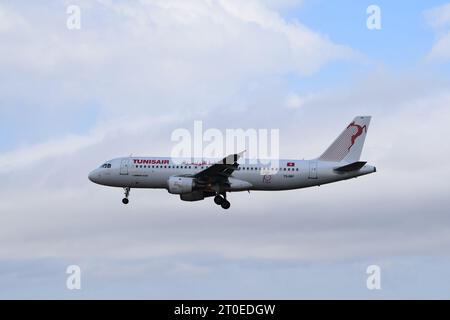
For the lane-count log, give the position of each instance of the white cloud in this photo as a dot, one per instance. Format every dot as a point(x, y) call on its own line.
point(307, 50)
point(282, 4)
point(296, 101)
point(73, 144)
point(10, 20)
point(223, 33)
point(188, 58)
point(441, 49)
point(439, 19)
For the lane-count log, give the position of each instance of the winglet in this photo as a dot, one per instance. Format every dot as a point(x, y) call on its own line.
point(233, 158)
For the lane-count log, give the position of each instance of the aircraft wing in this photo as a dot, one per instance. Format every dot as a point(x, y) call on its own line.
point(221, 170)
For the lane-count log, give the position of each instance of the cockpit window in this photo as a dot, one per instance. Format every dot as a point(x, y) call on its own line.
point(106, 165)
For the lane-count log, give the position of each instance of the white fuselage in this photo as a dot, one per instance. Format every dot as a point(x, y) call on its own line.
point(154, 172)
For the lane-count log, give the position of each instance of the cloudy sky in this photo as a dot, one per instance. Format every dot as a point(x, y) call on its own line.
point(138, 70)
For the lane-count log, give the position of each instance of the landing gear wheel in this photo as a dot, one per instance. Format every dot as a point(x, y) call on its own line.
point(218, 200)
point(127, 193)
point(226, 204)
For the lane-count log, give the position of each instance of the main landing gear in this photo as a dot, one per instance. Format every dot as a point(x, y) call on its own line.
point(127, 193)
point(222, 201)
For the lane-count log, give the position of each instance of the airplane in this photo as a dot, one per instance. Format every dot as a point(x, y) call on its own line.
point(195, 181)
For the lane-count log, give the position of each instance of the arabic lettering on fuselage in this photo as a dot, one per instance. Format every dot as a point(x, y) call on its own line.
point(201, 163)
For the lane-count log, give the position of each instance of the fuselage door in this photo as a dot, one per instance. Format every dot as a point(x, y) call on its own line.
point(124, 166)
point(312, 170)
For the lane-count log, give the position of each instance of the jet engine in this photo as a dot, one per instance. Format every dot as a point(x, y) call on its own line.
point(180, 185)
point(193, 196)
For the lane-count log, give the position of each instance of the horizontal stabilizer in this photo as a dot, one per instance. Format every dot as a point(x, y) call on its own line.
point(351, 167)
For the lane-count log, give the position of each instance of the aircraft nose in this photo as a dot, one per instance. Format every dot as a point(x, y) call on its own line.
point(93, 176)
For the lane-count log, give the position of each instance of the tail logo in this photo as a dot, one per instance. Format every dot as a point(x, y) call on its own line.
point(359, 132)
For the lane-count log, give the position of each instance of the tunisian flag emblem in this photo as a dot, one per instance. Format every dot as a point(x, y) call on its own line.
point(291, 164)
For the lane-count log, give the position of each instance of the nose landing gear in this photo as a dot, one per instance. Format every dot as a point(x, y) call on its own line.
point(127, 193)
point(222, 201)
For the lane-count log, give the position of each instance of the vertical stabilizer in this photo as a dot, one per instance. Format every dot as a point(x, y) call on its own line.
point(348, 146)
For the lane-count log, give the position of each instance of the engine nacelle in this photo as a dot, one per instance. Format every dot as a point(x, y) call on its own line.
point(180, 185)
point(193, 196)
